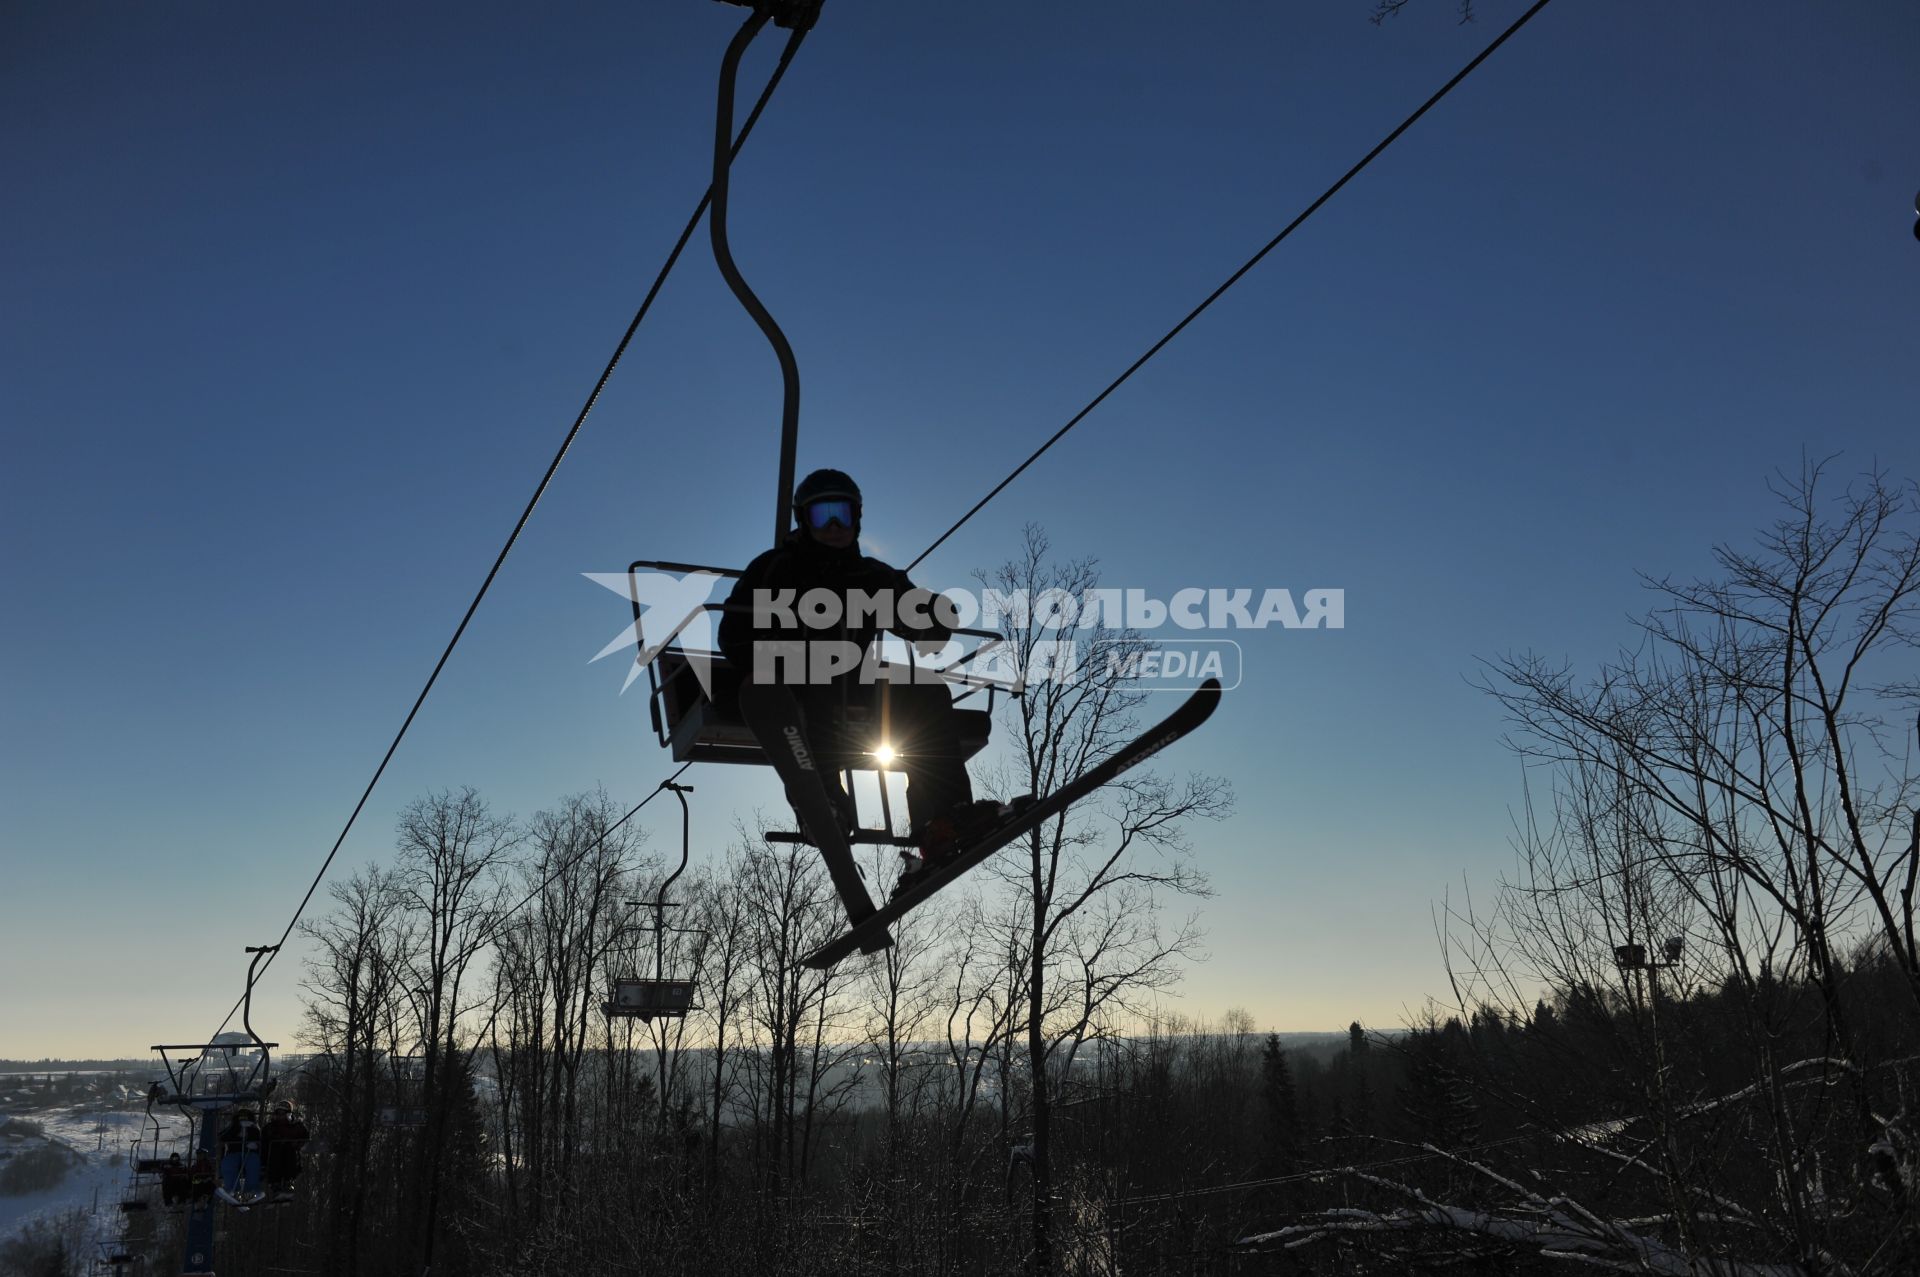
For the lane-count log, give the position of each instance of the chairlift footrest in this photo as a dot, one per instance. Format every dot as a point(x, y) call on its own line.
point(869, 837)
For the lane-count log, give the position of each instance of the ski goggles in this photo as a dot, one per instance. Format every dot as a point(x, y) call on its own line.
point(833, 510)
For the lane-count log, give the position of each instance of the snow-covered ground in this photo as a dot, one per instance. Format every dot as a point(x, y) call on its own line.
point(103, 1139)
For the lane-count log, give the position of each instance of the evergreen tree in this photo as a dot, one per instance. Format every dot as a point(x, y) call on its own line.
point(1359, 1105)
point(1436, 1104)
point(1281, 1148)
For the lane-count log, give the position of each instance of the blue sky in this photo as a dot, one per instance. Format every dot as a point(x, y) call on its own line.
point(298, 303)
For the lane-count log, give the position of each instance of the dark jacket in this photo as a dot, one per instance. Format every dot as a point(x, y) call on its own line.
point(283, 1136)
point(175, 1178)
point(283, 1128)
point(237, 1134)
point(801, 564)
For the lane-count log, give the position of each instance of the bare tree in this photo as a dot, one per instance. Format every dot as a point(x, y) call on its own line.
point(1769, 714)
point(350, 1000)
point(584, 870)
point(446, 878)
point(1734, 815)
point(1086, 888)
point(516, 1037)
point(725, 959)
point(790, 910)
point(900, 991)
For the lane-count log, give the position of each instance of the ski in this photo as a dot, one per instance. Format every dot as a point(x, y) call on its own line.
point(774, 715)
point(1193, 712)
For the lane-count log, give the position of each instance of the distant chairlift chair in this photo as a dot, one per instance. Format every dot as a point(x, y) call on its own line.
point(642, 998)
point(244, 1078)
point(659, 996)
point(409, 1076)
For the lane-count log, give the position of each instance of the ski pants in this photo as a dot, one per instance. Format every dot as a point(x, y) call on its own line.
point(917, 720)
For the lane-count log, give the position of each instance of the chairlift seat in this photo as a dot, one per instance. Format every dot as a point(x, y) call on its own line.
point(642, 999)
point(709, 729)
point(392, 1115)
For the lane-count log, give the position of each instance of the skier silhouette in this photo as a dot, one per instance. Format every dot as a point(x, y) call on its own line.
point(917, 718)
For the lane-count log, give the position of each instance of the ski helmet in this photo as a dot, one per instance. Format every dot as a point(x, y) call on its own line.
point(824, 485)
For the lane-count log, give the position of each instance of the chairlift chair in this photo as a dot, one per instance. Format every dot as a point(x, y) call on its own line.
point(644, 999)
point(409, 1071)
point(702, 723)
point(659, 996)
point(693, 695)
point(699, 721)
point(411, 1119)
point(243, 1076)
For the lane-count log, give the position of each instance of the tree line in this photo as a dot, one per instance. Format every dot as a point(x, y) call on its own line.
point(1680, 1037)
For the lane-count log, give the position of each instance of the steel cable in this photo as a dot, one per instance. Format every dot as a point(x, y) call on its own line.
point(1233, 279)
point(573, 432)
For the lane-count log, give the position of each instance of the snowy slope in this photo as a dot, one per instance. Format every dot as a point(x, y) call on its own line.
point(104, 1140)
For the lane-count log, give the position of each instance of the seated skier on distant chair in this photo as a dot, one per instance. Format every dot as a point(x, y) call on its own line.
point(283, 1137)
point(176, 1183)
point(240, 1153)
point(778, 659)
point(201, 1178)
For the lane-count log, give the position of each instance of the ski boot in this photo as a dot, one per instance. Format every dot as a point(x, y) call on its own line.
point(940, 838)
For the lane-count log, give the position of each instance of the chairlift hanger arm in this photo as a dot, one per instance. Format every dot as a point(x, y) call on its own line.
point(791, 15)
point(798, 16)
point(246, 1007)
point(680, 792)
point(660, 900)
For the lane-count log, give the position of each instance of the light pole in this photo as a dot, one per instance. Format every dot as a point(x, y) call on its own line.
point(1633, 957)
